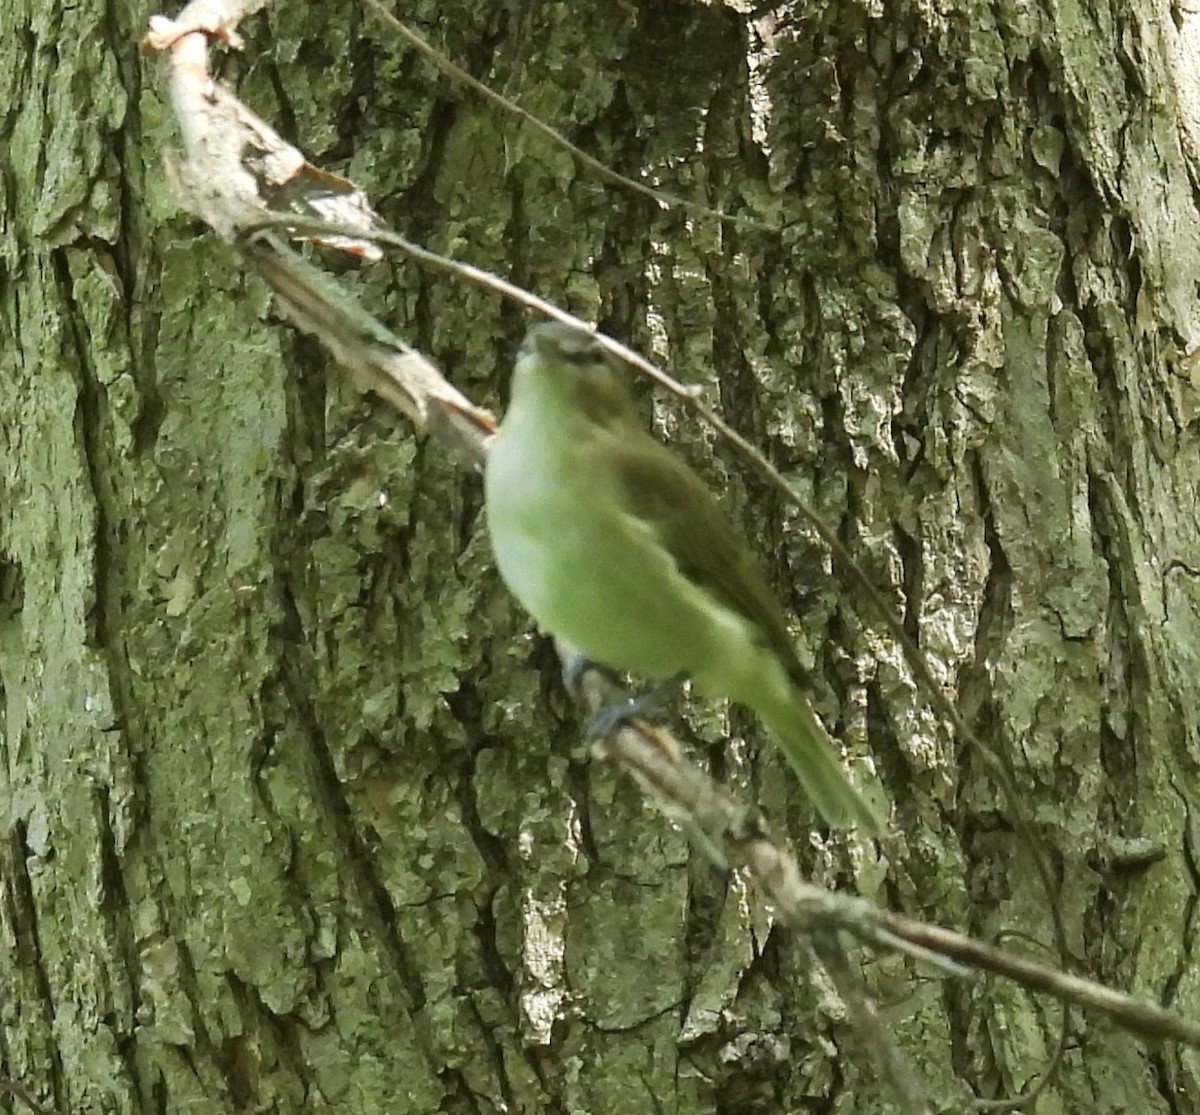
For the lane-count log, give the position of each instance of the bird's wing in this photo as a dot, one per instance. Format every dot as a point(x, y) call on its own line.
point(659, 488)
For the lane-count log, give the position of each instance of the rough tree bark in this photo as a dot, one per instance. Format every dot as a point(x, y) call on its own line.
point(295, 816)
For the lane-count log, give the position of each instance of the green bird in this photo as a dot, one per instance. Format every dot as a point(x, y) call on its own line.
point(617, 547)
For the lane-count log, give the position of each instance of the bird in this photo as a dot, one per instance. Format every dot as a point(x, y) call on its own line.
point(617, 547)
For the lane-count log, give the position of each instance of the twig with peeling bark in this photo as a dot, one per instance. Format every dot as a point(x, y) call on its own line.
point(230, 157)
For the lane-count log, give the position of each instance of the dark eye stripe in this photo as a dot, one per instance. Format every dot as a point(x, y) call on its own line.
point(571, 346)
point(590, 353)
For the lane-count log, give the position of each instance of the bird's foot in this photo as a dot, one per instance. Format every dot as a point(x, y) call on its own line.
point(576, 666)
point(608, 718)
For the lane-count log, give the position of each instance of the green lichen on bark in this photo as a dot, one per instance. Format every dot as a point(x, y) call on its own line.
point(297, 816)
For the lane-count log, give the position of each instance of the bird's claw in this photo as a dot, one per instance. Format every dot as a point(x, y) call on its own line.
point(577, 666)
point(608, 718)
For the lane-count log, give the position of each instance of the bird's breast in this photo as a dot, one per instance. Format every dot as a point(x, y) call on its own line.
point(586, 568)
point(541, 523)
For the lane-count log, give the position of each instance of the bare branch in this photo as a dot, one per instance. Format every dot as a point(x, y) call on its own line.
point(458, 74)
point(233, 172)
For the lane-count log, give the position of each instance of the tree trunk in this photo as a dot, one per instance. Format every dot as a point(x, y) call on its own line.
point(297, 813)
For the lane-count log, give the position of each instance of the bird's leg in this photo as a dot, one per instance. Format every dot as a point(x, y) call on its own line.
point(577, 665)
point(608, 718)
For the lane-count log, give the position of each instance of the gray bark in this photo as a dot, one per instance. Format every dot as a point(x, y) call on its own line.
point(296, 813)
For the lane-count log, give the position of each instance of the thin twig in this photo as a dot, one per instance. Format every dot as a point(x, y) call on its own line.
point(669, 201)
point(651, 756)
point(867, 1024)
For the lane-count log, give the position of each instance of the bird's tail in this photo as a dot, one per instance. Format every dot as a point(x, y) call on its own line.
point(811, 754)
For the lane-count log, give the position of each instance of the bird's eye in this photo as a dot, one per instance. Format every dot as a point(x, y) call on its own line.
point(585, 356)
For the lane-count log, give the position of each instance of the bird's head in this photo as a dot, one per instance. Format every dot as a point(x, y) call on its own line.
point(571, 365)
